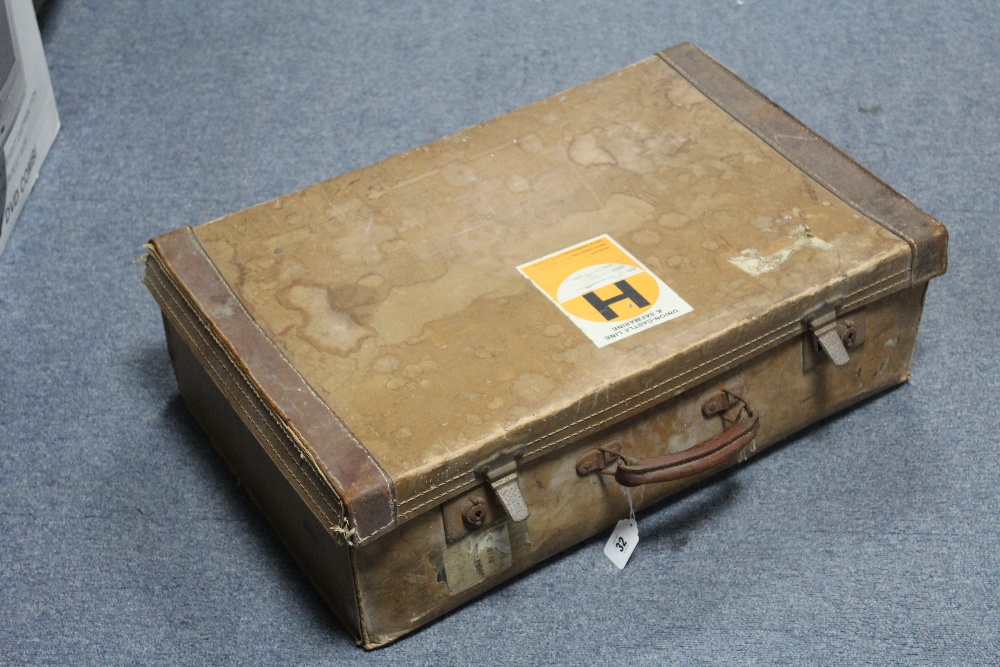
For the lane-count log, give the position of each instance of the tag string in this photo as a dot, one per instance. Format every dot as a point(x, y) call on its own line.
point(631, 509)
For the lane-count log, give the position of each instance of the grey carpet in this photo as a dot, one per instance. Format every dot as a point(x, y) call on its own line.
point(873, 537)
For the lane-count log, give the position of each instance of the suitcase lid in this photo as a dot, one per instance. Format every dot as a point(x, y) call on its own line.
point(513, 287)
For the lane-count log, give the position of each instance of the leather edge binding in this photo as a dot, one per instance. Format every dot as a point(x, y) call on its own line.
point(365, 489)
point(818, 158)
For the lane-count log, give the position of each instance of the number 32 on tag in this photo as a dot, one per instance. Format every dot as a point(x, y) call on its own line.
point(622, 542)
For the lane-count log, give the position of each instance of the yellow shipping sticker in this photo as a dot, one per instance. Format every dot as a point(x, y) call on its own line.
point(604, 290)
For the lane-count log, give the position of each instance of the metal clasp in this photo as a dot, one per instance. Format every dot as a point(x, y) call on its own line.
point(831, 337)
point(824, 328)
point(501, 473)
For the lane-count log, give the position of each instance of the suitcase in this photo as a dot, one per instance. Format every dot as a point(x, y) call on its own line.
point(437, 371)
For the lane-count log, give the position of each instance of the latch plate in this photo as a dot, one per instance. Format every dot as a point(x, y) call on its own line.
point(832, 338)
point(469, 512)
point(598, 459)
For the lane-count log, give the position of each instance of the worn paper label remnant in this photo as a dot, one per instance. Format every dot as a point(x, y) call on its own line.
point(475, 558)
point(604, 290)
point(751, 261)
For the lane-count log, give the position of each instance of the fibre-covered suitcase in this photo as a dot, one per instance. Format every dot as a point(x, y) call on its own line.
point(437, 371)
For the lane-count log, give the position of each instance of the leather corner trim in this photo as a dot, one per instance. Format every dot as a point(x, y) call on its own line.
point(350, 470)
point(818, 158)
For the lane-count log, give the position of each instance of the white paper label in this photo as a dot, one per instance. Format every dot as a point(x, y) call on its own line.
point(622, 542)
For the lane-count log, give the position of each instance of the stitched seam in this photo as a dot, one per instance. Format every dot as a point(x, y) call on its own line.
point(166, 294)
point(773, 143)
point(796, 323)
point(350, 434)
point(902, 283)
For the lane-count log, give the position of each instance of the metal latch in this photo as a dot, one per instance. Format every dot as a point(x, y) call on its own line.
point(832, 336)
point(502, 476)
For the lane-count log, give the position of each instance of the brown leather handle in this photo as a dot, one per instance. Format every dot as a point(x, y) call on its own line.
point(694, 461)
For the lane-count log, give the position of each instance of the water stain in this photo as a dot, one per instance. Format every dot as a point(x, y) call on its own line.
point(386, 364)
point(396, 383)
point(530, 143)
point(323, 327)
point(632, 146)
point(584, 150)
point(371, 280)
point(553, 330)
point(678, 262)
point(646, 237)
point(674, 220)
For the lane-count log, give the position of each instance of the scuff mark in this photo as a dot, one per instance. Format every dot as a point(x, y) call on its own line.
point(751, 261)
point(797, 137)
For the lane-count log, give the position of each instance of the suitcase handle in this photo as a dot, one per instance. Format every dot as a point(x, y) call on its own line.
point(696, 460)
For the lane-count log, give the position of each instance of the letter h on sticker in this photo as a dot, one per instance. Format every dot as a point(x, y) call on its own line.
point(603, 306)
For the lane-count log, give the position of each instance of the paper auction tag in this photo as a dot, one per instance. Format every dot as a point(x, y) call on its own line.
point(622, 542)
